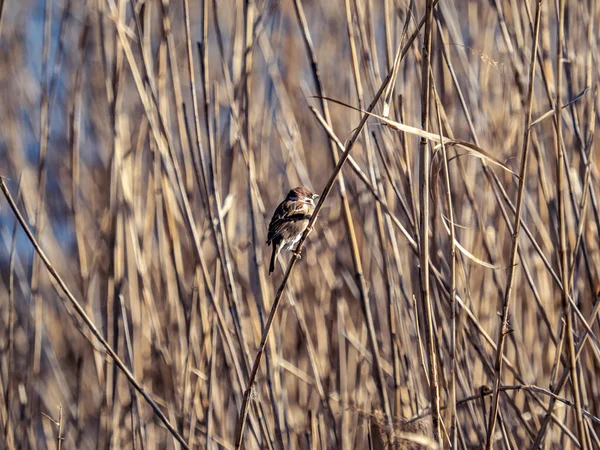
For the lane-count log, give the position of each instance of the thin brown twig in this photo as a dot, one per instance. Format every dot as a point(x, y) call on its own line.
point(485, 392)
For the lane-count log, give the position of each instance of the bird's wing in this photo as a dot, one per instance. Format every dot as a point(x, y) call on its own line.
point(286, 212)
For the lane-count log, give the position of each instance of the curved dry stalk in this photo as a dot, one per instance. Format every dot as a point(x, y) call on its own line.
point(473, 149)
point(453, 432)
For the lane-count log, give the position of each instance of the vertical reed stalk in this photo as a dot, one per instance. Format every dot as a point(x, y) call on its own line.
point(424, 158)
point(504, 325)
point(562, 232)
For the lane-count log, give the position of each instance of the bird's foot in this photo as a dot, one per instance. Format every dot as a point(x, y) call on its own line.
point(297, 254)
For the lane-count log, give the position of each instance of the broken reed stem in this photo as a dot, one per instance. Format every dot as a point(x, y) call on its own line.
point(515, 239)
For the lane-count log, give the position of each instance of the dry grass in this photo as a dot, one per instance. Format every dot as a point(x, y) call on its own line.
point(146, 145)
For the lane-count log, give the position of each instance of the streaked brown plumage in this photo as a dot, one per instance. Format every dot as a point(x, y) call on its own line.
point(289, 221)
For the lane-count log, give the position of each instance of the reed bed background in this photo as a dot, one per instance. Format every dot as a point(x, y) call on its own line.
point(146, 145)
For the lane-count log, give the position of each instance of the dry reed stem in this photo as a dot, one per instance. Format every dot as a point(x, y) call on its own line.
point(82, 314)
point(424, 159)
point(503, 331)
point(562, 232)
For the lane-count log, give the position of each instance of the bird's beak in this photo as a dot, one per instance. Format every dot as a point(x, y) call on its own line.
point(315, 196)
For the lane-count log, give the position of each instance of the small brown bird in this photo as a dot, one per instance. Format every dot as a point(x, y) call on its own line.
point(289, 221)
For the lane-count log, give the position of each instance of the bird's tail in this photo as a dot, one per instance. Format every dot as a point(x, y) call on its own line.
point(273, 256)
